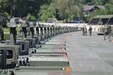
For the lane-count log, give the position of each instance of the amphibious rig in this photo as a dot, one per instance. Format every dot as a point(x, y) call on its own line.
point(34, 46)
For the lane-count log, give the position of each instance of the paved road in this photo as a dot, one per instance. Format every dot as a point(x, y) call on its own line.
point(88, 55)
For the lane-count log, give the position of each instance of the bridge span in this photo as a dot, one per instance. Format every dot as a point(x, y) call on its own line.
point(58, 50)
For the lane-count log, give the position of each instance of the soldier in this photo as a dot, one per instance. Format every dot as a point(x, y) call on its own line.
point(3, 24)
point(0, 32)
point(85, 31)
point(20, 62)
point(27, 60)
point(107, 33)
point(24, 62)
point(90, 30)
point(12, 73)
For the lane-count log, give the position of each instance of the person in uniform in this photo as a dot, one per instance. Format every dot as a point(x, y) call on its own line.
point(85, 31)
point(12, 73)
point(0, 32)
point(90, 30)
point(107, 33)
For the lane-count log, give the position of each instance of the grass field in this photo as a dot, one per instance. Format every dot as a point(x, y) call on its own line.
point(7, 33)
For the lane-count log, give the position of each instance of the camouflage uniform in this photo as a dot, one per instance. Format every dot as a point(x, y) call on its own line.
point(90, 31)
point(84, 31)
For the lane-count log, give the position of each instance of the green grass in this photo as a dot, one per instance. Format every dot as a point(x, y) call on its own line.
point(7, 32)
point(6, 36)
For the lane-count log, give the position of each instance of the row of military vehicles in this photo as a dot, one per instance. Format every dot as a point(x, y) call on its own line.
point(33, 47)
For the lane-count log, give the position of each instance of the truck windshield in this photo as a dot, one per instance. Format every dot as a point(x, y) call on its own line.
point(9, 54)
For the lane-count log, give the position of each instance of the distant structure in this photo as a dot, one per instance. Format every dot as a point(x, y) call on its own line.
point(100, 22)
point(91, 8)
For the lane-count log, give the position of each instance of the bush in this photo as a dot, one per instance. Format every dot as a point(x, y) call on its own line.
point(30, 17)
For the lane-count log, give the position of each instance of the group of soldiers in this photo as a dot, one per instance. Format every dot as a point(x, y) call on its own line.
point(107, 32)
point(85, 31)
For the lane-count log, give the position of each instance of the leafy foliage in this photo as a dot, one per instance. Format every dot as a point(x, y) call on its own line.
point(30, 17)
point(44, 9)
point(46, 12)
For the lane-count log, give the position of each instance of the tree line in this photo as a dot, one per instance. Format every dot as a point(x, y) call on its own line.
point(43, 9)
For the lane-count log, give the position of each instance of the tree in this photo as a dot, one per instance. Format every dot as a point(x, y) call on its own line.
point(20, 8)
point(67, 9)
point(62, 9)
point(87, 1)
point(97, 12)
point(109, 8)
point(3, 4)
point(30, 17)
point(46, 12)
